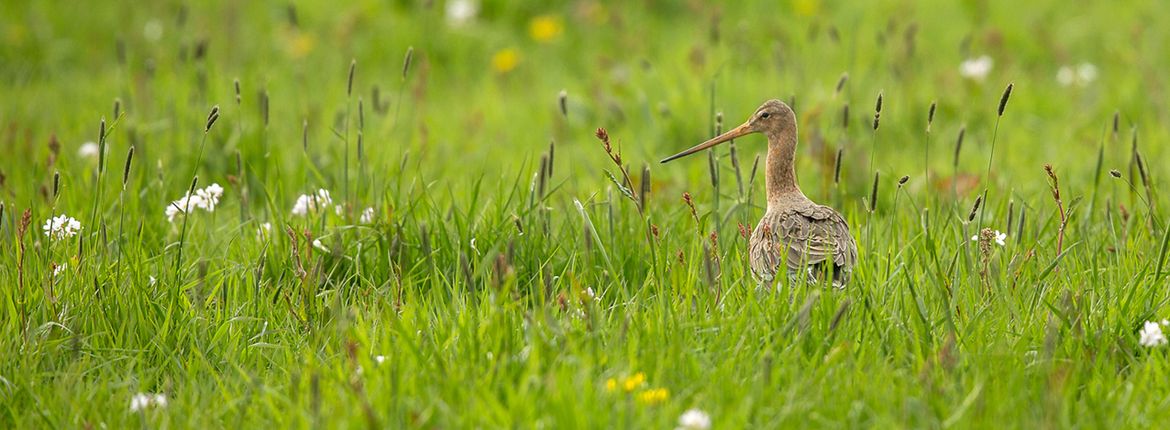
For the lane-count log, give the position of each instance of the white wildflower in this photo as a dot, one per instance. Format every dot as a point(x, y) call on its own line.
point(1166, 322)
point(152, 281)
point(367, 216)
point(1151, 335)
point(209, 197)
point(694, 419)
point(206, 199)
point(88, 150)
point(1000, 238)
point(152, 31)
point(317, 244)
point(141, 401)
point(182, 206)
point(379, 359)
point(460, 12)
point(312, 203)
point(1081, 75)
point(58, 268)
point(61, 227)
point(976, 68)
point(592, 295)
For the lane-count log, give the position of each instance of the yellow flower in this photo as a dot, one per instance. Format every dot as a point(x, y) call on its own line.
point(300, 45)
point(653, 396)
point(807, 7)
point(505, 60)
point(545, 28)
point(610, 384)
point(632, 383)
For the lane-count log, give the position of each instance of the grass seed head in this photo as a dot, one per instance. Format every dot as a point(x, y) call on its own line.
point(406, 61)
point(959, 144)
point(349, 82)
point(1003, 100)
point(837, 166)
point(563, 103)
point(930, 115)
point(975, 208)
point(1116, 123)
point(126, 168)
point(873, 193)
point(211, 117)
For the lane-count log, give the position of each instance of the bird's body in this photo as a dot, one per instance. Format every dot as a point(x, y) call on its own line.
point(796, 236)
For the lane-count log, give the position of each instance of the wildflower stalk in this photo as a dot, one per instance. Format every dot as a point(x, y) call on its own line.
point(345, 158)
point(628, 189)
point(122, 209)
point(211, 118)
point(183, 231)
point(406, 61)
point(101, 168)
point(1003, 100)
point(926, 161)
point(1054, 182)
point(877, 115)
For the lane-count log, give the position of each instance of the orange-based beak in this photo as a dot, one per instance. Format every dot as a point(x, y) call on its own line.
point(730, 134)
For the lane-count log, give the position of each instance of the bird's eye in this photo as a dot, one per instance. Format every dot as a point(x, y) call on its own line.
point(764, 115)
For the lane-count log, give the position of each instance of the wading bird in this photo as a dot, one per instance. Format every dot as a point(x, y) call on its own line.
point(795, 234)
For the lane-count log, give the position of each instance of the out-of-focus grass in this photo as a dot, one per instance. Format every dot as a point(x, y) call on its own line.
point(495, 305)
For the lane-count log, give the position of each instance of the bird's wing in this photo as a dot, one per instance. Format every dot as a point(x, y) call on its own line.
point(812, 235)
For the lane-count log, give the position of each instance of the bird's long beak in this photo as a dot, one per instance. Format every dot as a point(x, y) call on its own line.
point(730, 134)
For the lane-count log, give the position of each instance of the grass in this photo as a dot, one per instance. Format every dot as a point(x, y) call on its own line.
point(503, 294)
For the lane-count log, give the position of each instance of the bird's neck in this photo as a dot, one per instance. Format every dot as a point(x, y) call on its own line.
point(781, 169)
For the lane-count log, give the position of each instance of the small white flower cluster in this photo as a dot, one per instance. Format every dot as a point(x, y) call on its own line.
point(141, 401)
point(206, 199)
point(999, 238)
point(61, 227)
point(88, 150)
point(976, 68)
point(312, 203)
point(319, 245)
point(1151, 334)
point(460, 12)
point(367, 216)
point(694, 419)
point(1081, 75)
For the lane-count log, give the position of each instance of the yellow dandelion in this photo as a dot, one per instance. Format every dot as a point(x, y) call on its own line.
point(632, 383)
point(545, 28)
point(505, 60)
point(610, 385)
point(653, 396)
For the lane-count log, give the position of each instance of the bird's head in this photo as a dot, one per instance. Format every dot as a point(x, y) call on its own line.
point(772, 118)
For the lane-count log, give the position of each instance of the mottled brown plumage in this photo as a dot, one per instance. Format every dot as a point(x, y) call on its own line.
point(795, 235)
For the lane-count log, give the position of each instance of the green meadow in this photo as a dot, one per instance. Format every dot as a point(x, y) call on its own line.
point(399, 214)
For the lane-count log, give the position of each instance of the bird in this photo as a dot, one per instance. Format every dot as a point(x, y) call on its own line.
point(796, 235)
